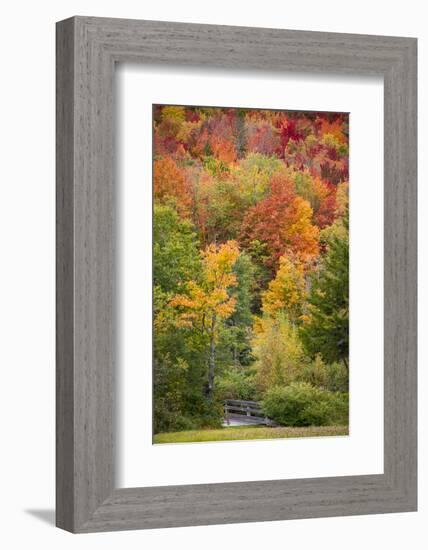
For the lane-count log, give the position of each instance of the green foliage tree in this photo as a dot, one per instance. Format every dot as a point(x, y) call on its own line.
point(176, 258)
point(241, 320)
point(179, 373)
point(326, 327)
point(179, 355)
point(251, 176)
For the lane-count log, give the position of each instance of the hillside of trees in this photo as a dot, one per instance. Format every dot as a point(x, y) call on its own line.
point(250, 265)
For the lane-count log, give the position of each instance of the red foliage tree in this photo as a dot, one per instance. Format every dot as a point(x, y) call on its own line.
point(263, 138)
point(327, 210)
point(216, 137)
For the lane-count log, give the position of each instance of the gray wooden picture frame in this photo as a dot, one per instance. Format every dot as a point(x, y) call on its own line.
point(87, 50)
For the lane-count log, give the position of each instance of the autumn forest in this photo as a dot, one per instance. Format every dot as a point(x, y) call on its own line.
point(250, 271)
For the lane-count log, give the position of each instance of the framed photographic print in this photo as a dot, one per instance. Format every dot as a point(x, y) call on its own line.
point(236, 274)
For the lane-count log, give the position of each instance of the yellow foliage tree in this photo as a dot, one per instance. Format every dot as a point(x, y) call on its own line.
point(302, 235)
point(173, 112)
point(342, 198)
point(206, 305)
point(287, 292)
point(279, 354)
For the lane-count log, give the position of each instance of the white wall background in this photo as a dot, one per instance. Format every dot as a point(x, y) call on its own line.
point(27, 272)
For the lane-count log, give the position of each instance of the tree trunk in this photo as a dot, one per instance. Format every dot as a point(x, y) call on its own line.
point(211, 359)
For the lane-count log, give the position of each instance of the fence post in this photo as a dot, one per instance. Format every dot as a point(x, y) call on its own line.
point(226, 413)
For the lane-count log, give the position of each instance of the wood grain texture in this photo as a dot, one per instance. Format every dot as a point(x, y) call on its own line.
point(64, 276)
point(87, 50)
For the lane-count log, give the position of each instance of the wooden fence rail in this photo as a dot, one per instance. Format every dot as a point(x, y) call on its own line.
point(247, 412)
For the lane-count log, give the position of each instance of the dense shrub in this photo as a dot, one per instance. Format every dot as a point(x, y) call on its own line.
point(301, 404)
point(315, 373)
point(332, 377)
point(237, 384)
point(338, 377)
point(167, 421)
point(178, 404)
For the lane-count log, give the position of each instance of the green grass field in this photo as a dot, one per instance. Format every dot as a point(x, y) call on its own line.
point(250, 432)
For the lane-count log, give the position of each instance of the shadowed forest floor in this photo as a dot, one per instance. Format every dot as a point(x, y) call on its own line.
point(252, 432)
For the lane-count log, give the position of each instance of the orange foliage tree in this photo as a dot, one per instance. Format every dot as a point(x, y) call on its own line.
point(169, 184)
point(283, 222)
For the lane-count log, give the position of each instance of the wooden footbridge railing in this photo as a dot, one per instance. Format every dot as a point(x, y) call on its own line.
point(245, 412)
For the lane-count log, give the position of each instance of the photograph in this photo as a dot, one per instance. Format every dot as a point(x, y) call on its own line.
point(250, 273)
